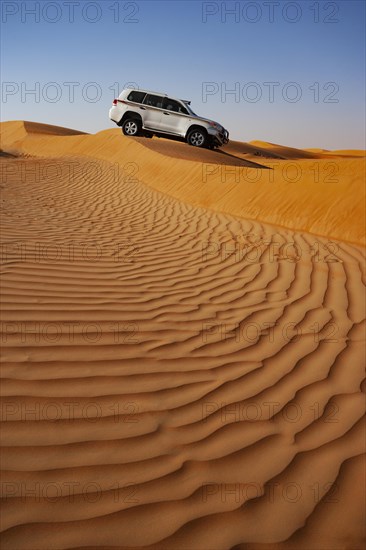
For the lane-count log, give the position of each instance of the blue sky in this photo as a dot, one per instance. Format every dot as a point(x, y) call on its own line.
point(309, 54)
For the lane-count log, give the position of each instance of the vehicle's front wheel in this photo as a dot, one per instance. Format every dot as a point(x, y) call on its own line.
point(131, 127)
point(197, 137)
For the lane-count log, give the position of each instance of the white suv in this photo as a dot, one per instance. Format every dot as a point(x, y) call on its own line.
point(141, 112)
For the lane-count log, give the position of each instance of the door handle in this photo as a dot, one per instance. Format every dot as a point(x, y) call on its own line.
point(167, 114)
point(143, 108)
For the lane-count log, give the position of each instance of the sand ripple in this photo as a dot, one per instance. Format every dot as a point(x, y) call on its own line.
point(173, 377)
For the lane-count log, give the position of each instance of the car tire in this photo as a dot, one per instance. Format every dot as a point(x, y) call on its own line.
point(131, 127)
point(197, 137)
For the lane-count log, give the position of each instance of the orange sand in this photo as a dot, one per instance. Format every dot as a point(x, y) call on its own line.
point(183, 344)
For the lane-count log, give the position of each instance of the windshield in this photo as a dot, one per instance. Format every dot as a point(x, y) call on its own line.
point(190, 110)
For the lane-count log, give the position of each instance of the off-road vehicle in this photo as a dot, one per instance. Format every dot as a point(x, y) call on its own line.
point(140, 112)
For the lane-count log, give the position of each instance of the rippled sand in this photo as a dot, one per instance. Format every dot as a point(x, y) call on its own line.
point(183, 344)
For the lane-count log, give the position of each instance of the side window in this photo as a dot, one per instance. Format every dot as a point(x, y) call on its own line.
point(154, 101)
point(136, 96)
point(172, 105)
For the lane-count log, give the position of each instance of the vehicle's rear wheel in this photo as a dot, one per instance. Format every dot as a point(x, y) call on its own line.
point(197, 137)
point(131, 127)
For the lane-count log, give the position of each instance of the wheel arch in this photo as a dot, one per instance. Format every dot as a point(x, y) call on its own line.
point(130, 114)
point(195, 127)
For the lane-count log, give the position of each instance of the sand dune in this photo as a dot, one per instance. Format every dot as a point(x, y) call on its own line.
point(317, 194)
point(175, 376)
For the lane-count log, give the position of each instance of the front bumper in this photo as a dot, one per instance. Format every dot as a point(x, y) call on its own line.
point(225, 137)
point(219, 137)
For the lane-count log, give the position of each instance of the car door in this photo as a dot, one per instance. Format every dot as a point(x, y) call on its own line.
point(173, 119)
point(151, 111)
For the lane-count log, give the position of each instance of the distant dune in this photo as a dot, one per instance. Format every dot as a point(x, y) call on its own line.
point(183, 338)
